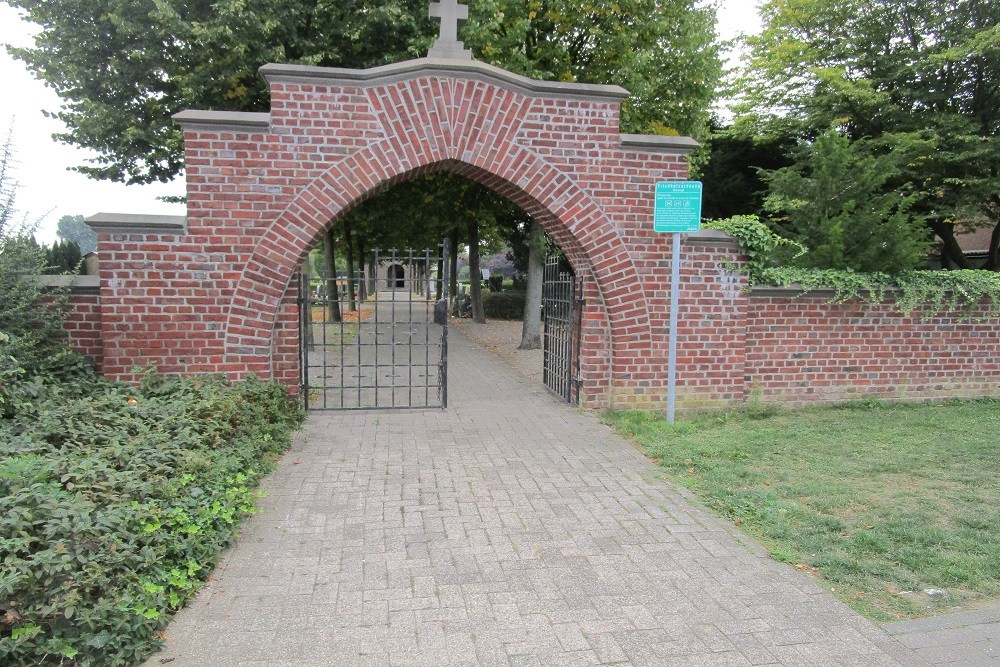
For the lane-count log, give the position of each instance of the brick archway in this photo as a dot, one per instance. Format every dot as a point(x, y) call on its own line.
point(591, 242)
point(211, 292)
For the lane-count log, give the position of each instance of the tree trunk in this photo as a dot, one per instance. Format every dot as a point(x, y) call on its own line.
point(362, 282)
point(531, 331)
point(439, 283)
point(950, 249)
point(349, 243)
point(332, 290)
point(475, 278)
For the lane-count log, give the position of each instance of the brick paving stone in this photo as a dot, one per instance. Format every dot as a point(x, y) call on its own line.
point(510, 529)
point(964, 639)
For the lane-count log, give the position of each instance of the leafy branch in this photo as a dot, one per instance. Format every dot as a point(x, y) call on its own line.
point(929, 292)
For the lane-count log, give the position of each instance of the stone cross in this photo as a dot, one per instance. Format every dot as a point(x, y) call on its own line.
point(447, 44)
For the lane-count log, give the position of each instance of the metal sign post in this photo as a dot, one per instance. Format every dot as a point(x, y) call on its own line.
point(675, 307)
point(677, 209)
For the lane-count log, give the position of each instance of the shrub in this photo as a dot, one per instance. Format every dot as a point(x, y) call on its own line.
point(504, 305)
point(115, 502)
point(63, 256)
point(931, 291)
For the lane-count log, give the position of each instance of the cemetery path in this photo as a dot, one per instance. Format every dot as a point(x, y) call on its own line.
point(510, 529)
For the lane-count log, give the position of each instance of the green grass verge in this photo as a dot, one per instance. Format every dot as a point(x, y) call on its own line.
point(879, 502)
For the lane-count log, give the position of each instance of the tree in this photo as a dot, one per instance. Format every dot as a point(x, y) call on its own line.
point(531, 329)
point(63, 257)
point(902, 75)
point(663, 51)
point(73, 228)
point(732, 175)
point(833, 201)
point(123, 68)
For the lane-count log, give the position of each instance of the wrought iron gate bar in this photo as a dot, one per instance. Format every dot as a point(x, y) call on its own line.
point(560, 338)
point(398, 313)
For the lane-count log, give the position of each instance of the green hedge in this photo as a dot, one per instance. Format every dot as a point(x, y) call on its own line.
point(504, 305)
point(930, 291)
point(115, 503)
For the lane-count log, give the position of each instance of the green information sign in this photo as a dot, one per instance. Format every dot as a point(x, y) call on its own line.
point(677, 207)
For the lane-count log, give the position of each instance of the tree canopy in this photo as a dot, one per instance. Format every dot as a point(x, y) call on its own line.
point(920, 77)
point(73, 228)
point(122, 68)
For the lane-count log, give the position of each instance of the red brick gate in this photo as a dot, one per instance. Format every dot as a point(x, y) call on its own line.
point(213, 292)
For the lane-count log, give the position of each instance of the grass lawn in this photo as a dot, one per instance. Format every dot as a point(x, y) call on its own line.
point(879, 502)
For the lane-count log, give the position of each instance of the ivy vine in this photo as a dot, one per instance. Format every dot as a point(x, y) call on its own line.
point(930, 291)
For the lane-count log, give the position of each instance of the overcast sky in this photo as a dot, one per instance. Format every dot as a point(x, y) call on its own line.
point(48, 190)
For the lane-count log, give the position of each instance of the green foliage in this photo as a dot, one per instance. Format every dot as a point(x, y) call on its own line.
point(834, 201)
point(663, 51)
point(898, 74)
point(63, 256)
point(759, 244)
point(504, 305)
point(930, 292)
point(30, 317)
point(732, 176)
point(116, 501)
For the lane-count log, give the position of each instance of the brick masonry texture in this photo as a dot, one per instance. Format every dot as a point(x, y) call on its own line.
point(83, 325)
point(262, 188)
point(806, 350)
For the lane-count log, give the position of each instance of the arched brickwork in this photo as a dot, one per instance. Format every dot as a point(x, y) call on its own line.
point(567, 213)
point(212, 292)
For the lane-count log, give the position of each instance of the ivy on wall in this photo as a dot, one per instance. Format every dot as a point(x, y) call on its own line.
point(930, 291)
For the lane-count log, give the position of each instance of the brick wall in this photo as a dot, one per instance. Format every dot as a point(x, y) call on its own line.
point(83, 324)
point(803, 349)
point(214, 291)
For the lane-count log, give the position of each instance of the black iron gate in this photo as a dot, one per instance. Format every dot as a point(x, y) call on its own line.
point(381, 342)
point(561, 319)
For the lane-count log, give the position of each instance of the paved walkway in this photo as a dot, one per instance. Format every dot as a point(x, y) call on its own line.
point(508, 530)
point(964, 639)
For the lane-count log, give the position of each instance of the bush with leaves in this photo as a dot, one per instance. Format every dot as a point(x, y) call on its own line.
point(928, 291)
point(834, 200)
point(504, 305)
point(31, 336)
point(115, 502)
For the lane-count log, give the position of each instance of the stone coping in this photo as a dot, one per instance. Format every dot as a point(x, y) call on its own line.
point(237, 120)
point(794, 291)
point(137, 223)
point(710, 237)
point(656, 142)
point(472, 69)
point(77, 284)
